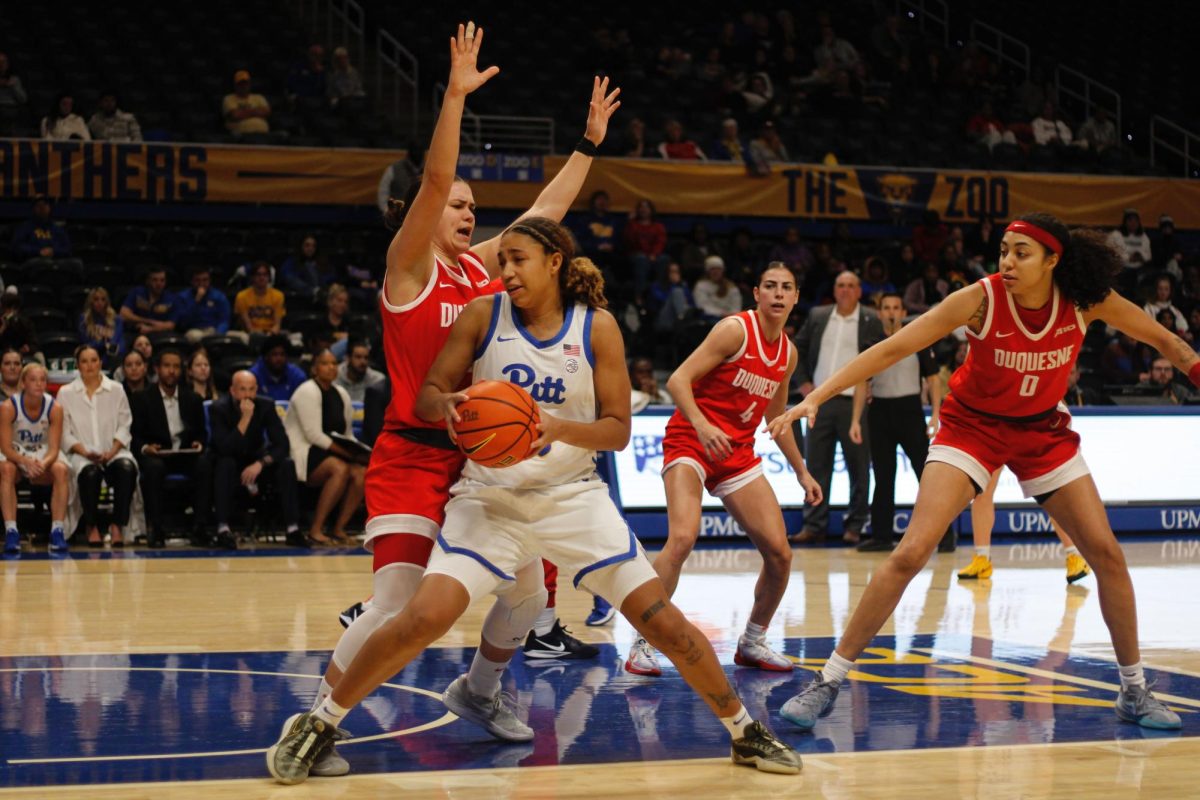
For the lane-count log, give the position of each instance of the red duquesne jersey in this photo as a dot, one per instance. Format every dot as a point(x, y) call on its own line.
point(734, 395)
point(413, 334)
point(1011, 371)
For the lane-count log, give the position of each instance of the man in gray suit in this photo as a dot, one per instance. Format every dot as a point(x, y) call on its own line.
point(829, 338)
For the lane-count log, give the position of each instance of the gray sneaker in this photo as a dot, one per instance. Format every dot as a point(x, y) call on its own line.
point(496, 715)
point(304, 737)
point(1138, 705)
point(815, 701)
point(329, 762)
point(760, 749)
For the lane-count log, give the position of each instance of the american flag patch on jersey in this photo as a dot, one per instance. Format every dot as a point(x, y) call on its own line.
point(571, 350)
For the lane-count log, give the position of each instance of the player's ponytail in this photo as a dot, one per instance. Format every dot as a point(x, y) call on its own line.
point(397, 208)
point(1088, 268)
point(579, 280)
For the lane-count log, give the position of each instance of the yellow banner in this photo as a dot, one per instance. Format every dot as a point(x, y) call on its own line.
point(167, 173)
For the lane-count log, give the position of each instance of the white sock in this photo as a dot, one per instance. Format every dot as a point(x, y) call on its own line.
point(331, 712)
point(755, 632)
point(545, 621)
point(1071, 551)
point(324, 691)
point(1132, 675)
point(986, 552)
point(10, 524)
point(483, 679)
point(737, 724)
point(835, 669)
point(58, 523)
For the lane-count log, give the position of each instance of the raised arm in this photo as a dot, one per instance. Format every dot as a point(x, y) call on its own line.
point(411, 251)
point(439, 396)
point(956, 310)
point(1128, 318)
point(723, 341)
point(556, 199)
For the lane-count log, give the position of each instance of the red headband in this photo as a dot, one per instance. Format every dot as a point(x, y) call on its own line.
point(1037, 234)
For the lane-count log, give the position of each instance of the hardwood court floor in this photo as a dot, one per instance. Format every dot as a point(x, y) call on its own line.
point(152, 677)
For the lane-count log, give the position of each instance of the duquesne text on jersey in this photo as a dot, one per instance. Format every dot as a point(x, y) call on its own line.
point(1034, 362)
point(755, 384)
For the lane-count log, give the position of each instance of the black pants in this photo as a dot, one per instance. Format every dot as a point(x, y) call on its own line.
point(895, 422)
point(120, 475)
point(281, 475)
point(154, 471)
point(833, 427)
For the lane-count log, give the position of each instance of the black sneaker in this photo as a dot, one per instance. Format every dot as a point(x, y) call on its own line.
point(760, 749)
point(875, 544)
point(350, 614)
point(303, 739)
point(557, 644)
point(949, 542)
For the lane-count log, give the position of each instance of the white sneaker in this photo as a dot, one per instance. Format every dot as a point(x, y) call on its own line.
point(756, 653)
point(641, 659)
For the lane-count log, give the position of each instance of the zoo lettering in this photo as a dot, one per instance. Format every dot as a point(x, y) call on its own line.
point(824, 192)
point(100, 171)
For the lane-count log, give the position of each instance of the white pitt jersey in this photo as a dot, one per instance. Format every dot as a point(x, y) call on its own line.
point(557, 372)
point(31, 436)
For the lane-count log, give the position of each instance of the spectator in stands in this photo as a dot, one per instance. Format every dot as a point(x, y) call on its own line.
point(716, 295)
point(204, 311)
point(374, 405)
point(711, 69)
point(1194, 324)
point(245, 111)
point(670, 299)
point(150, 308)
point(134, 373)
point(40, 236)
point(1133, 245)
point(143, 345)
point(1097, 133)
point(170, 418)
point(319, 408)
point(33, 455)
point(767, 149)
point(12, 93)
point(1190, 287)
point(63, 123)
point(1049, 128)
point(599, 232)
point(96, 439)
point(355, 374)
point(10, 374)
point(646, 389)
point(200, 375)
point(988, 129)
point(927, 240)
point(634, 144)
point(102, 327)
point(730, 146)
point(1162, 302)
point(305, 270)
point(832, 50)
point(742, 262)
point(793, 252)
point(760, 96)
point(1082, 395)
point(399, 175)
point(876, 281)
point(344, 81)
point(1125, 361)
point(678, 148)
point(362, 284)
point(308, 78)
point(274, 375)
point(1162, 377)
point(16, 330)
point(960, 356)
point(260, 307)
point(111, 124)
point(982, 244)
point(888, 44)
point(1166, 248)
point(250, 447)
point(645, 240)
point(905, 267)
point(335, 326)
point(698, 247)
point(926, 291)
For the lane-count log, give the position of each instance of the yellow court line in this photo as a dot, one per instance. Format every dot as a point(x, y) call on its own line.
point(1045, 673)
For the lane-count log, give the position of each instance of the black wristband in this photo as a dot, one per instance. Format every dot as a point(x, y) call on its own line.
point(586, 147)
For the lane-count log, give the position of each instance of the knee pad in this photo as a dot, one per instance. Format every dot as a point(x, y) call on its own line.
point(394, 586)
point(511, 618)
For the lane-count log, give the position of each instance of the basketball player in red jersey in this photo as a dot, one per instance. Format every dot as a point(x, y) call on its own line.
point(1026, 325)
point(432, 273)
point(738, 373)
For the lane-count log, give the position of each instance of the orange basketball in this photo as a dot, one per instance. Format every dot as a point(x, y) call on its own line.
point(499, 424)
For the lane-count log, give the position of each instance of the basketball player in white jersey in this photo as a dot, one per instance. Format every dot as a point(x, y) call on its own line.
point(549, 333)
point(31, 426)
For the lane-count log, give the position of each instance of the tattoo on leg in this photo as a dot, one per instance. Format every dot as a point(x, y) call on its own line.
point(725, 699)
point(652, 610)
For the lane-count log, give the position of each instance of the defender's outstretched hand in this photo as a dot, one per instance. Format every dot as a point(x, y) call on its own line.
point(600, 109)
point(464, 52)
point(805, 408)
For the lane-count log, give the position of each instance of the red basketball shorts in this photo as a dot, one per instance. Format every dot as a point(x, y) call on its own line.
point(407, 487)
point(681, 446)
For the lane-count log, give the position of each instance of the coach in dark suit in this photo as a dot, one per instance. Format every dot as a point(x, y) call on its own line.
point(375, 403)
point(250, 447)
point(828, 340)
point(168, 416)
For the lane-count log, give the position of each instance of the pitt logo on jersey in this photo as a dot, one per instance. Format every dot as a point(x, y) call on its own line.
point(544, 390)
point(450, 312)
point(1034, 362)
point(755, 384)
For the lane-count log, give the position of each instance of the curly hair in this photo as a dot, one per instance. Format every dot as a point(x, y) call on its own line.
point(1088, 268)
point(580, 281)
point(397, 208)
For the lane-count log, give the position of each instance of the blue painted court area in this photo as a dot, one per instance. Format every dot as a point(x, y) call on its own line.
point(181, 717)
